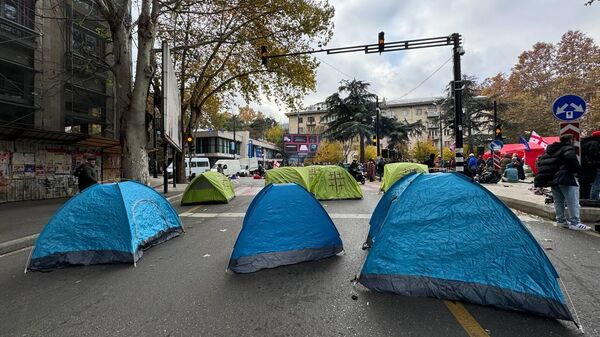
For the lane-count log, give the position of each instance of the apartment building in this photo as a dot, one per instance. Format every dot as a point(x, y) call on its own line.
point(56, 97)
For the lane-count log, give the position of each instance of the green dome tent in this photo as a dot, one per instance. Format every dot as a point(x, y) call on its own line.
point(208, 187)
point(395, 171)
point(334, 182)
point(288, 174)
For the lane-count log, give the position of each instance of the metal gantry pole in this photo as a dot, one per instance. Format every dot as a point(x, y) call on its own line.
point(457, 88)
point(377, 110)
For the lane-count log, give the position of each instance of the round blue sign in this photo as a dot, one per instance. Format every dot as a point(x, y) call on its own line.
point(568, 108)
point(496, 145)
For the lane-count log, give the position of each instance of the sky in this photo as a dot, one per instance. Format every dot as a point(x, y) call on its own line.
point(494, 34)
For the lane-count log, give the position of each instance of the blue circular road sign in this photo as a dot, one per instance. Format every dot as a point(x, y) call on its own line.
point(496, 145)
point(568, 108)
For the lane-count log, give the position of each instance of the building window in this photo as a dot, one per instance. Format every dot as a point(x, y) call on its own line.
point(300, 130)
point(311, 120)
point(299, 119)
point(311, 129)
point(18, 11)
point(419, 112)
point(86, 42)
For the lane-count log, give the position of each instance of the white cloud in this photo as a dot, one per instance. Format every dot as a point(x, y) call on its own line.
point(494, 34)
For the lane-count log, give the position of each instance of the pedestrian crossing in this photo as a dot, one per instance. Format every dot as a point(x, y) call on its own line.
point(250, 191)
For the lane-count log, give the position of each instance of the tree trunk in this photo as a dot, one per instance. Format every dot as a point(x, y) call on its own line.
point(182, 173)
point(133, 125)
point(362, 147)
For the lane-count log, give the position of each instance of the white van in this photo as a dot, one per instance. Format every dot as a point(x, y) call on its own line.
point(198, 166)
point(248, 166)
point(230, 166)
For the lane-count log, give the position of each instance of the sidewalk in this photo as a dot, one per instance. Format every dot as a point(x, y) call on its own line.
point(22, 221)
point(519, 197)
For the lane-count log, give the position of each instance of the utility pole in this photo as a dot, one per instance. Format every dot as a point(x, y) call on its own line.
point(234, 140)
point(457, 51)
point(377, 110)
point(495, 115)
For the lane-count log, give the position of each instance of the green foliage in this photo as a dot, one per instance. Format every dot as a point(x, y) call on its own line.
point(541, 75)
point(478, 112)
point(275, 135)
point(329, 152)
point(219, 43)
point(422, 150)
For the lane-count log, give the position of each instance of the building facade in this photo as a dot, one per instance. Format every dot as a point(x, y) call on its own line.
point(308, 121)
point(56, 97)
point(425, 110)
point(216, 145)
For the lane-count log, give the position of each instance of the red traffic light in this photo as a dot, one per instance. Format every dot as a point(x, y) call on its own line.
point(381, 41)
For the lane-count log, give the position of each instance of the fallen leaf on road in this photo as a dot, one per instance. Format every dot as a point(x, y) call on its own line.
point(77, 281)
point(223, 230)
point(547, 240)
point(206, 255)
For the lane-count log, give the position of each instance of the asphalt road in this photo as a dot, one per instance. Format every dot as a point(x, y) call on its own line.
point(180, 288)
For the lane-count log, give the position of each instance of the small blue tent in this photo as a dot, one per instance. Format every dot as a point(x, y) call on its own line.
point(447, 237)
point(106, 223)
point(284, 225)
point(381, 210)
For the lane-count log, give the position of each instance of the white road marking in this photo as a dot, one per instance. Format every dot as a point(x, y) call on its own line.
point(241, 215)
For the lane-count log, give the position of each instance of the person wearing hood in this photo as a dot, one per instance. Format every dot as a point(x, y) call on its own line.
point(557, 168)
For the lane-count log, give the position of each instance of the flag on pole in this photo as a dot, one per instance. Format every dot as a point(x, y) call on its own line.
point(524, 142)
point(537, 139)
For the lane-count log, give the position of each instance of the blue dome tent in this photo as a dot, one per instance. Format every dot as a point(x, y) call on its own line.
point(381, 210)
point(107, 223)
point(284, 225)
point(447, 237)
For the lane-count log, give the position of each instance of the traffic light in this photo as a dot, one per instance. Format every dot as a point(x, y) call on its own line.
point(374, 141)
point(381, 41)
point(263, 55)
point(498, 132)
point(189, 139)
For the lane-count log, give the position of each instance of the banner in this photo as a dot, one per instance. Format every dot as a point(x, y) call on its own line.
point(4, 161)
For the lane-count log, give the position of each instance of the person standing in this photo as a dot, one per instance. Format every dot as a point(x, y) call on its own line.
point(557, 168)
point(518, 164)
point(371, 170)
point(431, 161)
point(86, 174)
point(380, 166)
point(589, 183)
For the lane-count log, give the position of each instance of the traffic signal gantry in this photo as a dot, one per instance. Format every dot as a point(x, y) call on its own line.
point(381, 46)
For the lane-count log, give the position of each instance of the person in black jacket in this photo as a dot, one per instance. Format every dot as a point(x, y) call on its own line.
point(590, 164)
point(86, 174)
point(557, 168)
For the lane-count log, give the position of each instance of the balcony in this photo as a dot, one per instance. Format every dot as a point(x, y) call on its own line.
point(17, 22)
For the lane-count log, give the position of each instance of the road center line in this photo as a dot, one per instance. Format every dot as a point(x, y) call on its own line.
point(465, 319)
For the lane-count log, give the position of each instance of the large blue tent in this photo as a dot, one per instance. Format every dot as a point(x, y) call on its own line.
point(447, 237)
point(106, 223)
point(284, 225)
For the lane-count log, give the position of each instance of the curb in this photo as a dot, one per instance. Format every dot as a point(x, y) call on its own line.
point(14, 245)
point(588, 215)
